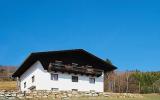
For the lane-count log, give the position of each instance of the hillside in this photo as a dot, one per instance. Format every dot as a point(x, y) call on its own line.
point(6, 72)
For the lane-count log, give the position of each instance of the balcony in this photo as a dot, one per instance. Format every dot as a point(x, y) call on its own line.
point(74, 68)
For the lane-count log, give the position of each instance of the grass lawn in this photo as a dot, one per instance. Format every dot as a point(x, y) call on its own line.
point(11, 85)
point(145, 97)
point(7, 85)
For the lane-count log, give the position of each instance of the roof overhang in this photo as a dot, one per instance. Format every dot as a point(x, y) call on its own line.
point(79, 56)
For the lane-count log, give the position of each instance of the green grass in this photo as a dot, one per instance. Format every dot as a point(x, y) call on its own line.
point(152, 97)
point(145, 97)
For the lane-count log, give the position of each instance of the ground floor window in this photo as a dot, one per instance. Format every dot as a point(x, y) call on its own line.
point(54, 89)
point(74, 89)
point(32, 88)
point(92, 90)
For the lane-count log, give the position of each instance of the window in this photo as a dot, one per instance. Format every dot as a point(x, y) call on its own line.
point(54, 77)
point(58, 63)
point(74, 78)
point(54, 89)
point(74, 89)
point(24, 84)
point(33, 79)
point(32, 88)
point(92, 91)
point(92, 80)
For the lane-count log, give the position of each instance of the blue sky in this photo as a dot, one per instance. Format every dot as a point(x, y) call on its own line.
point(125, 31)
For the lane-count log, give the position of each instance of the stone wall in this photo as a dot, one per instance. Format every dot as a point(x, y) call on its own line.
point(50, 95)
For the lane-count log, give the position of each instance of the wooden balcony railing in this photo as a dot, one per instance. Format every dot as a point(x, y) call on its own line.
point(84, 70)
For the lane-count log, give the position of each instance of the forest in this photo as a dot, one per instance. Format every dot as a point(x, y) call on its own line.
point(132, 82)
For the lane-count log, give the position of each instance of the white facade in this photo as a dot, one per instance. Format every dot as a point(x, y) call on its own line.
point(42, 80)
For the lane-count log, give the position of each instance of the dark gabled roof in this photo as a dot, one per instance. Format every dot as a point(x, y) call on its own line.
point(79, 56)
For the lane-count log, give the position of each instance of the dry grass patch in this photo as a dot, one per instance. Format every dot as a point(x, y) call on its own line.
point(7, 85)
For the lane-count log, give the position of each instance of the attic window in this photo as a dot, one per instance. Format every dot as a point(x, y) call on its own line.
point(74, 65)
point(58, 63)
point(89, 66)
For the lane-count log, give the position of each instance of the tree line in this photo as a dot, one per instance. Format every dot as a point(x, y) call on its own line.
point(132, 82)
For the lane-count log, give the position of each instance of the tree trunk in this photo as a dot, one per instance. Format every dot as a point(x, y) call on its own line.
point(139, 87)
point(127, 83)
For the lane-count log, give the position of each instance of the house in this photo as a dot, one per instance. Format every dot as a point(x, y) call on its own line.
point(75, 70)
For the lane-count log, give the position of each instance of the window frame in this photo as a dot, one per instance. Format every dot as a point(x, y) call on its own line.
point(75, 90)
point(54, 76)
point(33, 78)
point(92, 80)
point(54, 89)
point(73, 78)
point(25, 84)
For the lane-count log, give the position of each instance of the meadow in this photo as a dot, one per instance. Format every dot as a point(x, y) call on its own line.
point(7, 85)
point(11, 85)
point(145, 97)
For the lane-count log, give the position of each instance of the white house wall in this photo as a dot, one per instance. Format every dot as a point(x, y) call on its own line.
point(27, 75)
point(43, 80)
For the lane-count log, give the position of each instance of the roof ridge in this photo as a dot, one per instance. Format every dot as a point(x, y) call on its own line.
point(50, 51)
